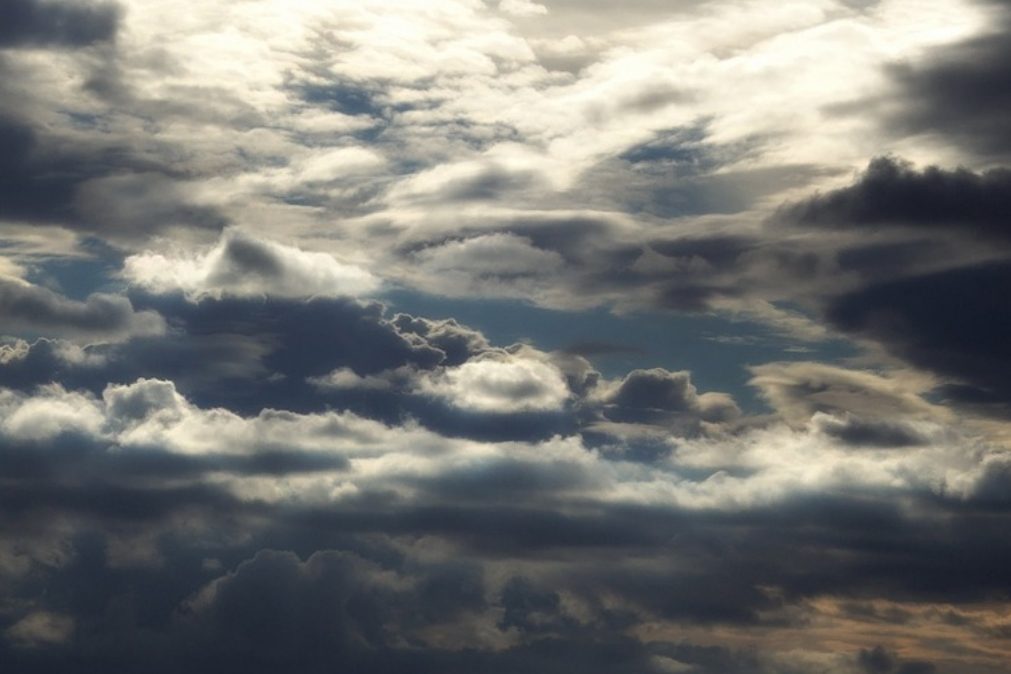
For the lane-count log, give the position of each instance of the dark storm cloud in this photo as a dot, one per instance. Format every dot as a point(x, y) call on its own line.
point(892, 192)
point(956, 323)
point(961, 92)
point(878, 261)
point(878, 660)
point(55, 23)
point(344, 611)
point(340, 602)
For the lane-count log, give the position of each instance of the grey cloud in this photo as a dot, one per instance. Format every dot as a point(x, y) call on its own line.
point(458, 342)
point(878, 660)
point(30, 309)
point(799, 390)
point(241, 264)
point(954, 323)
point(90, 185)
point(892, 192)
point(57, 23)
point(961, 92)
point(870, 433)
point(661, 396)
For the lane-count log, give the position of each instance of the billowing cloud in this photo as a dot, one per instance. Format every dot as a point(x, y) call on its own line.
point(501, 383)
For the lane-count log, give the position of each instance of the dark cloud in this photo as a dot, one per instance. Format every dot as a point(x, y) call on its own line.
point(878, 261)
point(870, 433)
point(34, 310)
point(878, 660)
point(961, 92)
point(89, 185)
point(659, 396)
point(892, 192)
point(55, 23)
point(956, 323)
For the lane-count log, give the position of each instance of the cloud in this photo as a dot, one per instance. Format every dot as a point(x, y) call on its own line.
point(26, 23)
point(30, 309)
point(799, 390)
point(950, 322)
point(41, 628)
point(659, 396)
point(958, 92)
point(241, 265)
point(500, 383)
point(522, 8)
point(231, 462)
point(893, 193)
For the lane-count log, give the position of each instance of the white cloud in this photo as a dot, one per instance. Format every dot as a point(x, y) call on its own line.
point(50, 412)
point(500, 383)
point(243, 265)
point(755, 466)
point(522, 8)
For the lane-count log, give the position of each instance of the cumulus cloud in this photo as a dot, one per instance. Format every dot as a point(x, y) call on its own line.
point(500, 383)
point(234, 463)
point(243, 265)
point(658, 396)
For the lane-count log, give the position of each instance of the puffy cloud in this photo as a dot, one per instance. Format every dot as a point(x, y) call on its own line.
point(288, 478)
point(658, 396)
point(501, 383)
point(243, 265)
point(49, 413)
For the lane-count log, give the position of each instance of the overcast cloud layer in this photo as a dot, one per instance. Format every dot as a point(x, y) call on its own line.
point(505, 336)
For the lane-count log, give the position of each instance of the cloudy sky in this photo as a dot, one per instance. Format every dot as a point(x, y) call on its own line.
point(456, 336)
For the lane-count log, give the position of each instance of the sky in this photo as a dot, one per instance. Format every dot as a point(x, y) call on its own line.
point(505, 336)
